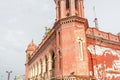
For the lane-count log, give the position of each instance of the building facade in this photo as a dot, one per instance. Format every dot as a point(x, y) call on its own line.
point(72, 50)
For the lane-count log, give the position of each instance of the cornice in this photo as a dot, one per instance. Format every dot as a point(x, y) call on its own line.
point(71, 19)
point(102, 40)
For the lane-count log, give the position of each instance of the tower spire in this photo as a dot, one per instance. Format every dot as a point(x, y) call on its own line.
point(95, 19)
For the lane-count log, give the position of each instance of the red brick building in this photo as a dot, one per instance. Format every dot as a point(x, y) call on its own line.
point(74, 50)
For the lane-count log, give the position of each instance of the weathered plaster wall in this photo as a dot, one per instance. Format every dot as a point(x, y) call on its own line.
point(105, 62)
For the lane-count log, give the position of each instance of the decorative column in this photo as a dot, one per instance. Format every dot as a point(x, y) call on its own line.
point(34, 71)
point(57, 10)
point(80, 8)
point(72, 7)
point(37, 70)
point(39, 67)
point(62, 9)
point(49, 66)
point(44, 67)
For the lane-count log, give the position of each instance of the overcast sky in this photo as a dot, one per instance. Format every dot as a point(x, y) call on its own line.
point(24, 20)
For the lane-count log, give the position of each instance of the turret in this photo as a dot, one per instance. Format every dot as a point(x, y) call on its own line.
point(66, 8)
point(30, 49)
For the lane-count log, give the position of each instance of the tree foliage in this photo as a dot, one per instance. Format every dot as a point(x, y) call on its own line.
point(47, 30)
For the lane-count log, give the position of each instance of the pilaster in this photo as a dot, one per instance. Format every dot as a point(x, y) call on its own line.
point(80, 8)
point(62, 9)
point(72, 7)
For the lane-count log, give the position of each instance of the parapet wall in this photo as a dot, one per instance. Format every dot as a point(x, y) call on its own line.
point(97, 33)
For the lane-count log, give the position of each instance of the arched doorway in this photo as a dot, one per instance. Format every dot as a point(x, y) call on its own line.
point(46, 68)
point(53, 64)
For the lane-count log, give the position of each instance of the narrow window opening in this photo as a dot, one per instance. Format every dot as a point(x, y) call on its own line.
point(59, 3)
point(76, 4)
point(59, 38)
point(53, 64)
point(46, 60)
point(53, 61)
point(60, 60)
point(81, 50)
point(67, 4)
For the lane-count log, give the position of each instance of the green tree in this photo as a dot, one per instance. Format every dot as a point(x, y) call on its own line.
point(47, 30)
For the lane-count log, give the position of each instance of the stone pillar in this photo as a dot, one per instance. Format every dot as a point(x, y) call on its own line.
point(33, 71)
point(44, 67)
point(49, 68)
point(80, 8)
point(39, 67)
point(72, 7)
point(30, 72)
point(62, 9)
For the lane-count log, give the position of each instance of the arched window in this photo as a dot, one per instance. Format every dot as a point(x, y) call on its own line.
point(60, 60)
point(53, 60)
point(59, 3)
point(59, 36)
point(52, 64)
point(46, 61)
point(76, 4)
point(80, 48)
point(67, 4)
